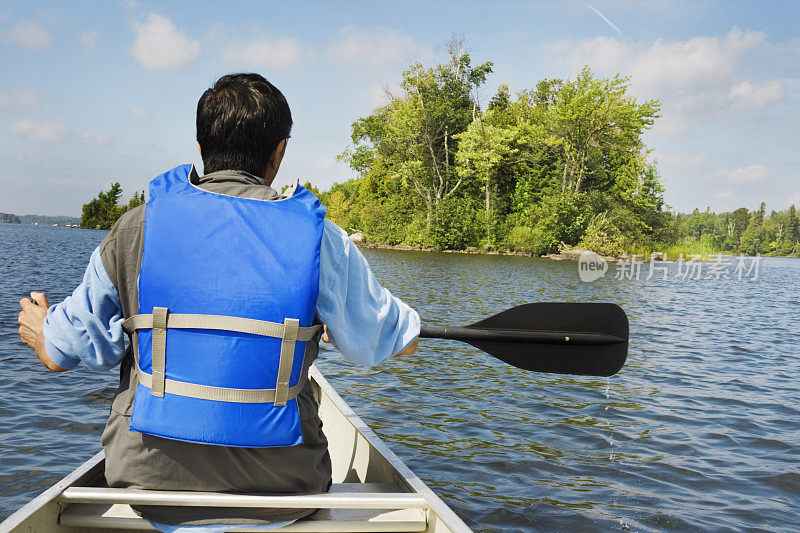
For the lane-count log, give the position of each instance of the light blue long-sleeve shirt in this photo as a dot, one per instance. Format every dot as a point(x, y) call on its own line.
point(366, 323)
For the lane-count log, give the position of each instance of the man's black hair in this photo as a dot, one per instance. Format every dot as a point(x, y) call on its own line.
point(240, 121)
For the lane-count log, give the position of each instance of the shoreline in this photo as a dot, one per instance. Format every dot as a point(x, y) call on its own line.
point(567, 255)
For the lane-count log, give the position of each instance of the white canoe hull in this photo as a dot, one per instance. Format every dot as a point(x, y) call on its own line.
point(373, 490)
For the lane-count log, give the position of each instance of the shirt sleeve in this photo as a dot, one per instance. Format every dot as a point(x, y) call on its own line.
point(87, 326)
point(366, 323)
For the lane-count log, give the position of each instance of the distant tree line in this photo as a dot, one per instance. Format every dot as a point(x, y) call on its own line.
point(49, 220)
point(740, 231)
point(43, 220)
point(562, 165)
point(103, 211)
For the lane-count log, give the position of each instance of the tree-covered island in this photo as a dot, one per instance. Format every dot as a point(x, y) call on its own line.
point(559, 166)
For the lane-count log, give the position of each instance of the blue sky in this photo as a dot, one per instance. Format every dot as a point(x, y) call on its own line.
point(97, 92)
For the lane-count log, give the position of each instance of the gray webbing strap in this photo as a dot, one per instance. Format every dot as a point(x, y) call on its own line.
point(161, 319)
point(220, 322)
point(159, 350)
point(218, 394)
point(290, 330)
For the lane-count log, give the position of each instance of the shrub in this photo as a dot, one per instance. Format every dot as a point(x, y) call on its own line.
point(602, 236)
point(538, 240)
point(457, 224)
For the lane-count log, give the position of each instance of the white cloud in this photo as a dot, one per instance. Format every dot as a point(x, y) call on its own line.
point(692, 78)
point(750, 174)
point(160, 45)
point(88, 39)
point(378, 95)
point(280, 53)
point(217, 33)
point(682, 160)
point(723, 195)
point(699, 61)
point(141, 114)
point(376, 47)
point(757, 96)
point(325, 163)
point(795, 200)
point(95, 138)
point(44, 131)
point(16, 100)
point(673, 122)
point(28, 33)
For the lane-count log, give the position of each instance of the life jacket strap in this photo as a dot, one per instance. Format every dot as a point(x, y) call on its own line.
point(291, 327)
point(220, 322)
point(217, 394)
point(161, 319)
point(159, 346)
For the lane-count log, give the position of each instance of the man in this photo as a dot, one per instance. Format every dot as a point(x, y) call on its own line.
point(222, 284)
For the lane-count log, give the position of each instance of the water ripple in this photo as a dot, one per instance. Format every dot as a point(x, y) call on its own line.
point(705, 415)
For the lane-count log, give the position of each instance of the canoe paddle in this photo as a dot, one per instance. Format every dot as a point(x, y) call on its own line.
point(587, 339)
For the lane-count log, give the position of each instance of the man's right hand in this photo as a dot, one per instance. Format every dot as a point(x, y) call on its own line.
point(31, 323)
point(410, 349)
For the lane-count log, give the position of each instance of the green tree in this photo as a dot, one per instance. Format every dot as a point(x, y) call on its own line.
point(590, 116)
point(489, 152)
point(412, 138)
point(793, 227)
point(135, 201)
point(737, 224)
point(699, 223)
point(103, 211)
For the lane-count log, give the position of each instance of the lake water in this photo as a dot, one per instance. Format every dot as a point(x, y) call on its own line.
point(699, 431)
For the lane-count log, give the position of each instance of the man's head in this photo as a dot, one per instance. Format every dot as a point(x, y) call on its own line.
point(242, 123)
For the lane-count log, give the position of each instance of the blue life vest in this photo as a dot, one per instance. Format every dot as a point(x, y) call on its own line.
point(219, 257)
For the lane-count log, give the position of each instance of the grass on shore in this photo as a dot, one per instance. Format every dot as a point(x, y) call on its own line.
point(697, 251)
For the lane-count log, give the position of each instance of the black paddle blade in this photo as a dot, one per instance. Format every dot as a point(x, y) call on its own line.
point(588, 339)
point(560, 357)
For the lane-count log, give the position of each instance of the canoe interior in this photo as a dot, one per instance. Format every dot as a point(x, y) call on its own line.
point(358, 456)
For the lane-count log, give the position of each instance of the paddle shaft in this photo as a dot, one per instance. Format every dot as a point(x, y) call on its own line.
point(468, 334)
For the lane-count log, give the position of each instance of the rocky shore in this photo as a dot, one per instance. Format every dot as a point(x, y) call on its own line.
point(566, 255)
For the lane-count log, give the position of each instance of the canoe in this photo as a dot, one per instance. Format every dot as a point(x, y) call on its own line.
point(373, 490)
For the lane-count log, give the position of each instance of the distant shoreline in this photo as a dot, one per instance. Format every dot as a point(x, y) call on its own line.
point(41, 220)
point(73, 226)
